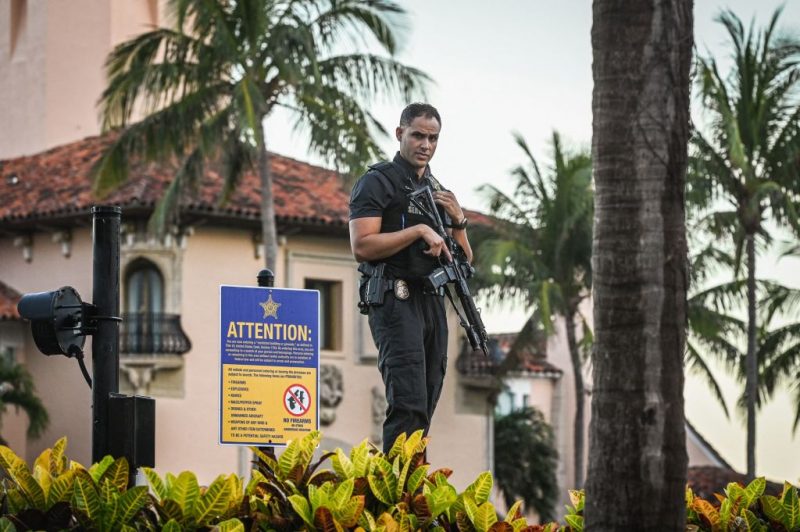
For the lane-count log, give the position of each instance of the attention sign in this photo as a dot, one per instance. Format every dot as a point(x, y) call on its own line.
point(269, 364)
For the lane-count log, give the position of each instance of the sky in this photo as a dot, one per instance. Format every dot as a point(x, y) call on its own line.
point(526, 66)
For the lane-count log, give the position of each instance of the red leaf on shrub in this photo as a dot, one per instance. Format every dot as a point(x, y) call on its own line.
point(501, 526)
point(323, 520)
point(421, 508)
point(444, 471)
point(360, 486)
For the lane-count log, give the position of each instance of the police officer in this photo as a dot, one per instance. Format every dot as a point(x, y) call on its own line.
point(409, 326)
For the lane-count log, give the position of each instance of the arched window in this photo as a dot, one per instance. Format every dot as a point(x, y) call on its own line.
point(144, 307)
point(144, 288)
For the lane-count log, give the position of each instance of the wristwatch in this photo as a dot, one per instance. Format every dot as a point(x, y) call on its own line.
point(460, 225)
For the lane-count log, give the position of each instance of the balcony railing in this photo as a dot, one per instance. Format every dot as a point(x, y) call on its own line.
point(152, 333)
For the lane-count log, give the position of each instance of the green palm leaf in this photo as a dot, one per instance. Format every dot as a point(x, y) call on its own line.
point(242, 60)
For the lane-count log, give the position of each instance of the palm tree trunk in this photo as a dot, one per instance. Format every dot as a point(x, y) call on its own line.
point(637, 461)
point(580, 399)
point(751, 360)
point(269, 234)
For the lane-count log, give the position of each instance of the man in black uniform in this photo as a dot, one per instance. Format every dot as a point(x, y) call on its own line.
point(387, 231)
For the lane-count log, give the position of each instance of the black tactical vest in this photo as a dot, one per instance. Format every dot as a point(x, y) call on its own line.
point(409, 262)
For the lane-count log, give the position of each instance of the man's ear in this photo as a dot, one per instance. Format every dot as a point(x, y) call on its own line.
point(398, 132)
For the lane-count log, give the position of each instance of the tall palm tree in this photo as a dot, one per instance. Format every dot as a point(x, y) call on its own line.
point(745, 170)
point(542, 251)
point(17, 390)
point(207, 84)
point(716, 329)
point(640, 129)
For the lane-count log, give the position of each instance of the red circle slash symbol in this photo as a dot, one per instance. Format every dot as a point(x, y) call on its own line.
point(296, 399)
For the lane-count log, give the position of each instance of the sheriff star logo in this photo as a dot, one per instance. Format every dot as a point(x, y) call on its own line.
point(270, 308)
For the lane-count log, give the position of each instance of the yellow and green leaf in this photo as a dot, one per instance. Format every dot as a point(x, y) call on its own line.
point(753, 491)
point(117, 474)
point(417, 477)
point(86, 499)
point(131, 502)
point(61, 488)
point(96, 470)
point(186, 491)
point(303, 509)
point(485, 517)
point(214, 502)
point(156, 484)
point(481, 488)
point(231, 525)
point(342, 465)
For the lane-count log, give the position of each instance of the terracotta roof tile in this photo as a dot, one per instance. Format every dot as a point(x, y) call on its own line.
point(475, 364)
point(8, 302)
point(705, 481)
point(57, 182)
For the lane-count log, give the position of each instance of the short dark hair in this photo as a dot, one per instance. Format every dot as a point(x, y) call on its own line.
point(414, 110)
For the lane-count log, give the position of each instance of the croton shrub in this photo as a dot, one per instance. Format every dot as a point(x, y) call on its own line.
point(363, 490)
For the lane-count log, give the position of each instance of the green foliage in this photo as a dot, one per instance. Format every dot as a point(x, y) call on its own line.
point(745, 508)
point(17, 389)
point(540, 249)
point(206, 85)
point(293, 493)
point(541, 246)
point(743, 175)
point(526, 460)
point(58, 493)
point(181, 499)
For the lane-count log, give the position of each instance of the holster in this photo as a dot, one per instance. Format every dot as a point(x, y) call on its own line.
point(373, 286)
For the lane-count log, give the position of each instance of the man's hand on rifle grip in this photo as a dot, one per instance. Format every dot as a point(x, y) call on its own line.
point(436, 244)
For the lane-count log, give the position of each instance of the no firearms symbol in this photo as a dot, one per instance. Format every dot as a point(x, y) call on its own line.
point(296, 399)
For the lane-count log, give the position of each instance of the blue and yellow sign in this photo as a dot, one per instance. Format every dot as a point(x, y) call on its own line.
point(269, 364)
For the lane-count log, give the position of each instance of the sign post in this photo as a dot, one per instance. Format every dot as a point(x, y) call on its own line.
point(269, 365)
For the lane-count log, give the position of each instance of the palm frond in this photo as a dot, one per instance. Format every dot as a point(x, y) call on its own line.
point(17, 389)
point(698, 366)
point(367, 76)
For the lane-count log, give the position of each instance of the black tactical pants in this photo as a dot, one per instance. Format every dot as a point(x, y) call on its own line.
point(411, 336)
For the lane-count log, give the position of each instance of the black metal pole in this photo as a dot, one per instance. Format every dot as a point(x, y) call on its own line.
point(105, 342)
point(266, 278)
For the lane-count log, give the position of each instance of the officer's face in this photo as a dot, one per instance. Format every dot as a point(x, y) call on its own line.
point(418, 141)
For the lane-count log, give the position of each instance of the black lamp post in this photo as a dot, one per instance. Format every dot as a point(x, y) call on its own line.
point(60, 321)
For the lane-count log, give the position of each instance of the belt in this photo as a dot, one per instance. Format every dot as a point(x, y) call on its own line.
point(417, 284)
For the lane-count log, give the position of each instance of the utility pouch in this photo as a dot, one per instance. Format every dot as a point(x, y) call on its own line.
point(372, 287)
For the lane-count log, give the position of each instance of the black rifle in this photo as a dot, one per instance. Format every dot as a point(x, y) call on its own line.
point(457, 272)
